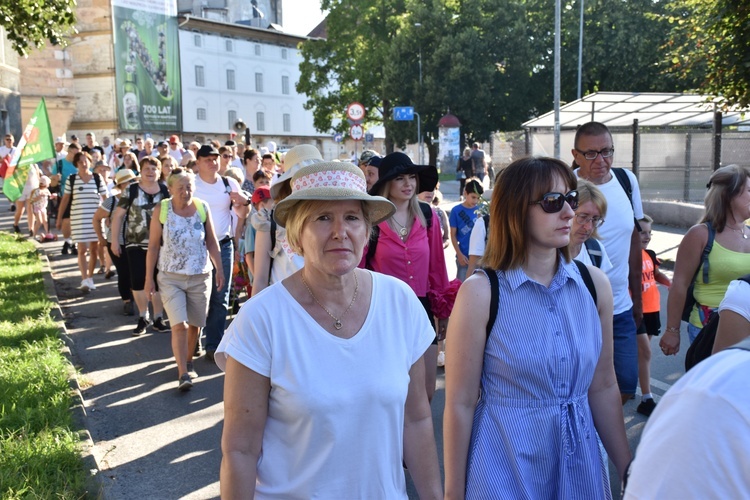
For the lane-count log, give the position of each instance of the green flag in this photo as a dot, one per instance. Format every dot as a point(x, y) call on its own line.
point(36, 145)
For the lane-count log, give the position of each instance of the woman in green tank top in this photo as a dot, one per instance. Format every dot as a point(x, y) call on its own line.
point(727, 208)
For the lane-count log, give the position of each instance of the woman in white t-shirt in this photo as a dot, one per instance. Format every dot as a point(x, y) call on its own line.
point(734, 316)
point(324, 391)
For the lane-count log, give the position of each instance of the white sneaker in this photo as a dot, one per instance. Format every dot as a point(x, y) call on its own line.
point(441, 358)
point(84, 285)
point(92, 285)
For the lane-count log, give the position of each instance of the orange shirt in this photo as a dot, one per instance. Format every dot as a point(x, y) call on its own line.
point(649, 291)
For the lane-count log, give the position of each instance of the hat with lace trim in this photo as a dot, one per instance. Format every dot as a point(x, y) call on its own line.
point(332, 181)
point(296, 158)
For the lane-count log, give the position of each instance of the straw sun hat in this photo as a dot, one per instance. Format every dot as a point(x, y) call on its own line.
point(332, 181)
point(296, 158)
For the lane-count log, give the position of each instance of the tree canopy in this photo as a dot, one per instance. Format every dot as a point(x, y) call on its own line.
point(709, 47)
point(31, 23)
point(489, 62)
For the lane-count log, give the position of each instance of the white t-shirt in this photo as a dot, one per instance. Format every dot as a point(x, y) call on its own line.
point(336, 407)
point(583, 256)
point(695, 444)
point(5, 151)
point(616, 234)
point(176, 154)
point(737, 299)
point(476, 239)
point(217, 198)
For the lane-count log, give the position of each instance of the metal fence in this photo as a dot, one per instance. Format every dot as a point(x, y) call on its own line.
point(673, 164)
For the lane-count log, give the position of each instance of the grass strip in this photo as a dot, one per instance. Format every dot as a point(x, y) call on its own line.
point(39, 449)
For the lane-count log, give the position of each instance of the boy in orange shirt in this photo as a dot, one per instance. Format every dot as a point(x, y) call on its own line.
point(651, 324)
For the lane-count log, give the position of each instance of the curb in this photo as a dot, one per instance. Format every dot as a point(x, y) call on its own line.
point(94, 485)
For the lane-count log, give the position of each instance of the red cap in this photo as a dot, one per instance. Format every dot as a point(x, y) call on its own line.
point(261, 193)
point(173, 139)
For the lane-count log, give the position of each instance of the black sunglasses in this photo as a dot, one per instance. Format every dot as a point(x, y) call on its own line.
point(554, 202)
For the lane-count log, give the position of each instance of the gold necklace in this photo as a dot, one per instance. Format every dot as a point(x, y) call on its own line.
point(336, 321)
point(402, 231)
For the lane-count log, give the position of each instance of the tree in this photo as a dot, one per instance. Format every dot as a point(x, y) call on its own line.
point(30, 23)
point(708, 46)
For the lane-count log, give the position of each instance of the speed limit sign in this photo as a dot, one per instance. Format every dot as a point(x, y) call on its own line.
point(357, 132)
point(355, 112)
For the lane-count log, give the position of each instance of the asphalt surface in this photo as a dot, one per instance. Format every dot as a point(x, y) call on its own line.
point(151, 441)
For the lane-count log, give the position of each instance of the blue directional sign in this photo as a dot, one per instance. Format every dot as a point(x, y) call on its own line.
point(403, 113)
point(338, 137)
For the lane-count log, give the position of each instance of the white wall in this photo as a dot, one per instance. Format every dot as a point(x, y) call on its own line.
point(217, 100)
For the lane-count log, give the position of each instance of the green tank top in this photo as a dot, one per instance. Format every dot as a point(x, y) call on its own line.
point(724, 266)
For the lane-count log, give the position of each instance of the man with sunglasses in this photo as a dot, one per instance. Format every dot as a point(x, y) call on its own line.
point(593, 153)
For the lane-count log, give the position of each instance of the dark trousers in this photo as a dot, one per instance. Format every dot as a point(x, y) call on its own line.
point(123, 273)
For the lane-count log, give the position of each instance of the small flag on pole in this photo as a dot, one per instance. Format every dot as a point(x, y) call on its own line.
point(36, 145)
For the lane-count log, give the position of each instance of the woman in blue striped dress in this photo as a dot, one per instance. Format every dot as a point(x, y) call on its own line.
point(524, 403)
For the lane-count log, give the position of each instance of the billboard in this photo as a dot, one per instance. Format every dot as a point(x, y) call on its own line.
point(147, 65)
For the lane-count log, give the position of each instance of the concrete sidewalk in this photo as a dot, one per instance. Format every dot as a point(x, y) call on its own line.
point(149, 440)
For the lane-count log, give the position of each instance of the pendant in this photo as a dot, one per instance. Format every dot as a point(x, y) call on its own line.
point(403, 231)
point(337, 325)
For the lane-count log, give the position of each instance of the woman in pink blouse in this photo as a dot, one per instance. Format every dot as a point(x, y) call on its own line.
point(409, 245)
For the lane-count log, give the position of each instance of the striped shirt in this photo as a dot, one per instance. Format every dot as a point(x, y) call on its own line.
point(533, 434)
point(85, 199)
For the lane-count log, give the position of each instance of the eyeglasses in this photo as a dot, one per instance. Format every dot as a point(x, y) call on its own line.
point(226, 157)
point(554, 202)
point(583, 219)
point(591, 155)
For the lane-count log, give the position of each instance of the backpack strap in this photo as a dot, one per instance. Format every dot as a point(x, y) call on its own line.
point(486, 219)
point(494, 298)
point(594, 249)
point(200, 206)
point(97, 181)
point(372, 245)
point(163, 211)
point(586, 275)
point(426, 212)
point(228, 189)
point(622, 177)
point(706, 251)
point(164, 190)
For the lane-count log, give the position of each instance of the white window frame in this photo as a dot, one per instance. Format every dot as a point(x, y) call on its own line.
point(200, 114)
point(260, 121)
point(259, 82)
point(200, 76)
point(231, 83)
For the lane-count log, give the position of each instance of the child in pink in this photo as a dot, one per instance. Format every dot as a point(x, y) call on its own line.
point(39, 199)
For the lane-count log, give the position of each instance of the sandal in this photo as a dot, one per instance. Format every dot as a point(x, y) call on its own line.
point(102, 270)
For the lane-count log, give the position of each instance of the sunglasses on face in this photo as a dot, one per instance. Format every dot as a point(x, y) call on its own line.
point(226, 156)
point(554, 202)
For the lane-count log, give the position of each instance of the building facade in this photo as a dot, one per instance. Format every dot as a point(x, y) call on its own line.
point(10, 95)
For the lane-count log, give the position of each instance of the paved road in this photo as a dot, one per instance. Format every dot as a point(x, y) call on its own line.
point(150, 441)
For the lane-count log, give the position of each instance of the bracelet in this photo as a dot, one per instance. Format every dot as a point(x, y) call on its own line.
point(672, 329)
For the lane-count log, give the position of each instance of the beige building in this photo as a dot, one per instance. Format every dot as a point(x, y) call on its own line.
point(78, 81)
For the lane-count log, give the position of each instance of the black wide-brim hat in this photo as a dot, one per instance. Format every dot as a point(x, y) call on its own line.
point(395, 164)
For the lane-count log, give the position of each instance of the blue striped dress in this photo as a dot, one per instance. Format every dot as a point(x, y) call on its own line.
point(533, 435)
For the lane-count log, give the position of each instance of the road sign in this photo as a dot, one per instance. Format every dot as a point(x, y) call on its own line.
point(357, 132)
point(369, 137)
point(338, 137)
point(403, 113)
point(355, 112)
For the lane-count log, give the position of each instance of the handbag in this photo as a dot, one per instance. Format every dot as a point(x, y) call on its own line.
point(460, 175)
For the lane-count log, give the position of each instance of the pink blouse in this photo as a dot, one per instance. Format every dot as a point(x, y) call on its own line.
point(419, 261)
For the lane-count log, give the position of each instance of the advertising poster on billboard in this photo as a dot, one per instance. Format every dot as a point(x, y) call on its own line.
point(147, 65)
point(449, 149)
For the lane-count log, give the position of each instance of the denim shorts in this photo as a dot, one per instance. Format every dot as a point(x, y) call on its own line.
point(625, 352)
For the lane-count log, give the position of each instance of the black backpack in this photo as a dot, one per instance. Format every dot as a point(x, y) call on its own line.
point(372, 245)
point(703, 344)
point(495, 294)
point(97, 180)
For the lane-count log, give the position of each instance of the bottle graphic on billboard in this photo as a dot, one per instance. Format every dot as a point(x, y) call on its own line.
point(131, 102)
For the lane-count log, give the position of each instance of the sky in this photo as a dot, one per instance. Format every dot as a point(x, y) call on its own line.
point(301, 16)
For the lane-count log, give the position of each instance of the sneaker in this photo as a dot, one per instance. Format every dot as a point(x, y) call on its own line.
point(73, 249)
point(441, 358)
point(185, 383)
point(191, 370)
point(65, 248)
point(84, 286)
point(159, 325)
point(197, 351)
point(143, 323)
point(646, 407)
point(92, 285)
